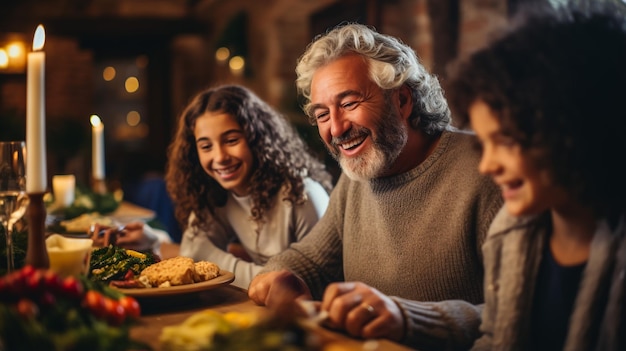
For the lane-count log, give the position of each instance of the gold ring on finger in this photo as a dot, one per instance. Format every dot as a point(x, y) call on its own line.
point(369, 308)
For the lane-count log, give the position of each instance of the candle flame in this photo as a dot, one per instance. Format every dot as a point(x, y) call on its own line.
point(39, 39)
point(95, 120)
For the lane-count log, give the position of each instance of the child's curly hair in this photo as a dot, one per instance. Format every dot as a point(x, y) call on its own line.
point(556, 84)
point(280, 157)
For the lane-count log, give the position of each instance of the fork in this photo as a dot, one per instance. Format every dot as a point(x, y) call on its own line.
point(313, 315)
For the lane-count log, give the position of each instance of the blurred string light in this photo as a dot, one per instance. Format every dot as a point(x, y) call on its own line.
point(133, 118)
point(4, 59)
point(232, 44)
point(15, 50)
point(131, 84)
point(222, 54)
point(237, 65)
point(109, 73)
point(13, 55)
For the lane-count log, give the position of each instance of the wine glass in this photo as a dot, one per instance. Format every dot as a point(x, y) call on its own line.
point(13, 198)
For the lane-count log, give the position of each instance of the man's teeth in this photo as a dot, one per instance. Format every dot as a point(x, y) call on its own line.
point(353, 143)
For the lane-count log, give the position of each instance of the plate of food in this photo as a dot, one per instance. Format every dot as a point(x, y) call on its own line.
point(78, 226)
point(174, 276)
point(224, 278)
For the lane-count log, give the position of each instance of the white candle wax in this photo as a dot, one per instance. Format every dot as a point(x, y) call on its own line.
point(64, 187)
point(97, 147)
point(36, 172)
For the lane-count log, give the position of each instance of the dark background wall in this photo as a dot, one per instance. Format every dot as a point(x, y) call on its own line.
point(170, 45)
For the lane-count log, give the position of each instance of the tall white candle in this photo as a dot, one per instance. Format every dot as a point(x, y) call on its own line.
point(36, 172)
point(97, 147)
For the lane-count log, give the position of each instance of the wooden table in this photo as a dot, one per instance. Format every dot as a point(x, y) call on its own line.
point(159, 312)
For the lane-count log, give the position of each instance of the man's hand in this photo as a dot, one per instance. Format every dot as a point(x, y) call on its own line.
point(274, 289)
point(362, 311)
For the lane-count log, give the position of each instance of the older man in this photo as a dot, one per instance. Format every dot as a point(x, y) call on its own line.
point(397, 254)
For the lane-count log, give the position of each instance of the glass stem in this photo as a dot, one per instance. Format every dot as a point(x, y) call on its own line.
point(8, 233)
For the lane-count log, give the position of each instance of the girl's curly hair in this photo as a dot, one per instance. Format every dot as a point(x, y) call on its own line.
point(280, 157)
point(555, 82)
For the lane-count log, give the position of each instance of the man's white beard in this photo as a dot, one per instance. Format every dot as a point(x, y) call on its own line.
point(391, 138)
point(364, 167)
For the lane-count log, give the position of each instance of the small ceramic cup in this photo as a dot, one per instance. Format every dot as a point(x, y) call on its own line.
point(69, 256)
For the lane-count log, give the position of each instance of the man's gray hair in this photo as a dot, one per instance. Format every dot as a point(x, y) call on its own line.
point(391, 64)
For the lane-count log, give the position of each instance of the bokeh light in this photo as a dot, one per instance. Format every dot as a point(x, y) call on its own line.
point(4, 59)
point(236, 64)
point(109, 73)
point(133, 118)
point(131, 84)
point(15, 50)
point(222, 54)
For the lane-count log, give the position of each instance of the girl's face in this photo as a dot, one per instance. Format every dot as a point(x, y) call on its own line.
point(223, 151)
point(526, 189)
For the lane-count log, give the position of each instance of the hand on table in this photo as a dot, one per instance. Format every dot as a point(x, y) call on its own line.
point(362, 311)
point(274, 289)
point(131, 236)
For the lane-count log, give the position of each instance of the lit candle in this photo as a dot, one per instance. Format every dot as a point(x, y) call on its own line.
point(63, 187)
point(36, 179)
point(97, 147)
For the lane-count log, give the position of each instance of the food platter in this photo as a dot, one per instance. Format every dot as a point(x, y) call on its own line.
point(224, 278)
point(125, 213)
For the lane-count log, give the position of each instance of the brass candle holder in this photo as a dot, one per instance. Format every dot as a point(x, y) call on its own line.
point(36, 252)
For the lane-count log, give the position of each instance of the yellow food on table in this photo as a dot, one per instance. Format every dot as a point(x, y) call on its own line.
point(196, 332)
point(83, 222)
point(178, 271)
point(137, 254)
point(210, 330)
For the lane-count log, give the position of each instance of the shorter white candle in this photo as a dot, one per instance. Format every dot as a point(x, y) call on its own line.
point(97, 147)
point(64, 187)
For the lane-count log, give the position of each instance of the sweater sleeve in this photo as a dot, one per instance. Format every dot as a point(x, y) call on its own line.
point(444, 325)
point(317, 258)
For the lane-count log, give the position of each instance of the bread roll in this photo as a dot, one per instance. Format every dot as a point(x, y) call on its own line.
point(177, 271)
point(206, 271)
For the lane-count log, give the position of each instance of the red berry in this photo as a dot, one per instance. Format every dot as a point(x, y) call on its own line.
point(131, 306)
point(94, 301)
point(115, 312)
point(51, 281)
point(27, 271)
point(34, 282)
point(71, 287)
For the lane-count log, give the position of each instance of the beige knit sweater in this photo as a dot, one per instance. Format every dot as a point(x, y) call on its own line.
point(416, 236)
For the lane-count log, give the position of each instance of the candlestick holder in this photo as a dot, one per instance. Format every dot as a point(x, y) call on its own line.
point(36, 253)
point(99, 186)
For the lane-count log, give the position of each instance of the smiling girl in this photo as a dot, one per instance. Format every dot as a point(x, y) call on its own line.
point(238, 171)
point(546, 102)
